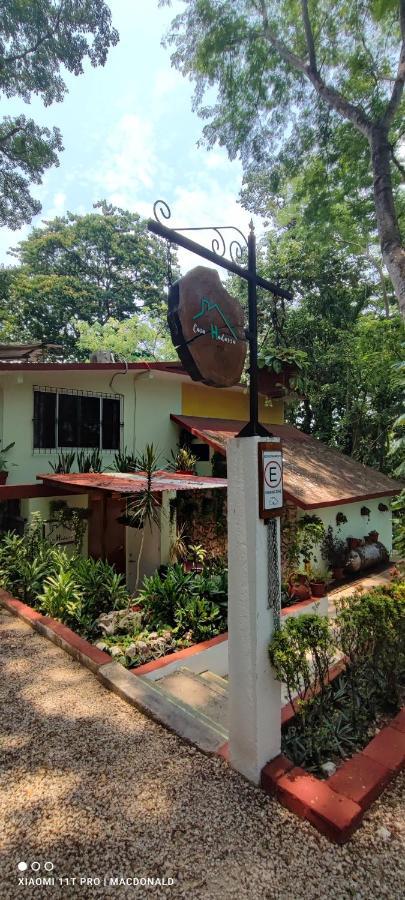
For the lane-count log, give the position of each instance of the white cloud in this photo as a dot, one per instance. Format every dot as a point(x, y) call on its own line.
point(129, 160)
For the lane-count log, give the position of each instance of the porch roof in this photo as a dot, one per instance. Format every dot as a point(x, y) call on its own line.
point(125, 483)
point(314, 474)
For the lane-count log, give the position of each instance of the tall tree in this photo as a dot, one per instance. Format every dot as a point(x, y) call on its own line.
point(279, 65)
point(87, 268)
point(37, 40)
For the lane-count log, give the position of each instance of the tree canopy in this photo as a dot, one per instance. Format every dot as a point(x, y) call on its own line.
point(97, 268)
point(37, 41)
point(309, 94)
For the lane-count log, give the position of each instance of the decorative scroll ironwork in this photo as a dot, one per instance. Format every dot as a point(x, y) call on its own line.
point(237, 247)
point(273, 572)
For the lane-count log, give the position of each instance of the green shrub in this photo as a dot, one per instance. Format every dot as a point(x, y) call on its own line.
point(198, 616)
point(101, 587)
point(301, 653)
point(160, 595)
point(336, 719)
point(188, 601)
point(370, 631)
point(61, 598)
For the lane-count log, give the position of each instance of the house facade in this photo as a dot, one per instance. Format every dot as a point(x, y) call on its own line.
point(50, 408)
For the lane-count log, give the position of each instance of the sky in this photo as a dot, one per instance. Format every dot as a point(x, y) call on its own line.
point(130, 137)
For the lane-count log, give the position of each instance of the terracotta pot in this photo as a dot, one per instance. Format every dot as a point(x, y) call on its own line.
point(3, 477)
point(298, 587)
point(354, 543)
point(318, 588)
point(338, 574)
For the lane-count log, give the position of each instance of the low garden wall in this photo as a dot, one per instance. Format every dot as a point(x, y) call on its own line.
point(212, 655)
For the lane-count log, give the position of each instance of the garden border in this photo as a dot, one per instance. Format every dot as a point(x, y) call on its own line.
point(335, 807)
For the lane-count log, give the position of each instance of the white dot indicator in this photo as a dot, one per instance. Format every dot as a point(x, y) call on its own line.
point(22, 866)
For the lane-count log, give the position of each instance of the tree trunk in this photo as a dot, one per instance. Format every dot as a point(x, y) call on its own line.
point(388, 230)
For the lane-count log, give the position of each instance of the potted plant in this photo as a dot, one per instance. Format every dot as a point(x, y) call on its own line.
point(317, 582)
point(335, 552)
point(3, 462)
point(298, 586)
point(183, 461)
point(196, 557)
point(353, 543)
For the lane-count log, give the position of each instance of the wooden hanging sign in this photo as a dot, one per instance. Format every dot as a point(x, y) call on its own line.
point(207, 328)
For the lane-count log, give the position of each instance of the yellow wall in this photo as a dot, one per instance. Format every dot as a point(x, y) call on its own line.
point(200, 400)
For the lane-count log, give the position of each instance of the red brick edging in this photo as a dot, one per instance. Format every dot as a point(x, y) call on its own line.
point(336, 806)
point(178, 655)
point(59, 634)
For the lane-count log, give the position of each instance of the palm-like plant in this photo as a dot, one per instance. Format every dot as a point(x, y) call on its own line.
point(144, 507)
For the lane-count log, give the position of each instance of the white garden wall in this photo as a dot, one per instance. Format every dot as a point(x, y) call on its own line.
point(356, 525)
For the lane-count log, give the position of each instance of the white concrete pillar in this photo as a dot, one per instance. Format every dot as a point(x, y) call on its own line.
point(254, 694)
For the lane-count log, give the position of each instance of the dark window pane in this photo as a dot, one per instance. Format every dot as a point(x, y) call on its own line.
point(89, 422)
point(111, 424)
point(44, 420)
point(67, 420)
point(201, 451)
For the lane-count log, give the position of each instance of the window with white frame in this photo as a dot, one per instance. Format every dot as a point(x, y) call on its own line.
point(67, 418)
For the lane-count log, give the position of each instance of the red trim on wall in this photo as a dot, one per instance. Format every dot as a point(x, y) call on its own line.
point(24, 491)
point(180, 654)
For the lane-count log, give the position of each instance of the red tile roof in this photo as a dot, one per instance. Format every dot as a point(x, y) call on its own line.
point(132, 484)
point(314, 474)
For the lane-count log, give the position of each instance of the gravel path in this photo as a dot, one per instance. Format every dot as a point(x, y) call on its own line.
point(90, 784)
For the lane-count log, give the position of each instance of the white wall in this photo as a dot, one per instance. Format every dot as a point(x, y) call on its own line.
point(148, 400)
point(356, 525)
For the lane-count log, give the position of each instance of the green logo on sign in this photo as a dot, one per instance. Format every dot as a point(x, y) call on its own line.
point(207, 307)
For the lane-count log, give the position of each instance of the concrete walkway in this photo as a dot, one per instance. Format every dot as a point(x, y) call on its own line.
point(94, 787)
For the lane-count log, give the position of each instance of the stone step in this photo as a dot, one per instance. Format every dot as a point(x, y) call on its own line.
point(206, 694)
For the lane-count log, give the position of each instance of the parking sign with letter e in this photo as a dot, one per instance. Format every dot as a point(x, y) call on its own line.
point(270, 479)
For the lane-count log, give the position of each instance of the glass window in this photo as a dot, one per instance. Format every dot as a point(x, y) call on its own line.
point(44, 420)
point(79, 418)
point(111, 424)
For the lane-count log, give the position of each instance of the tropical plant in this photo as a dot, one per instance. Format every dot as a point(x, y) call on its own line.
point(60, 597)
point(64, 463)
point(125, 461)
point(310, 533)
point(160, 595)
point(334, 550)
point(101, 587)
point(3, 456)
point(89, 462)
point(198, 616)
point(197, 554)
point(178, 547)
point(144, 508)
point(183, 460)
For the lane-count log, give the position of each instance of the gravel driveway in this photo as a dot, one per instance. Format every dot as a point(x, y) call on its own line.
point(93, 787)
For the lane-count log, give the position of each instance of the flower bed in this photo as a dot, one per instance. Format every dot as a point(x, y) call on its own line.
point(172, 611)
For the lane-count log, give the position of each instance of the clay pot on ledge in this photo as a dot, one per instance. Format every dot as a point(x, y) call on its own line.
point(318, 588)
point(298, 587)
point(338, 573)
point(3, 476)
point(354, 543)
